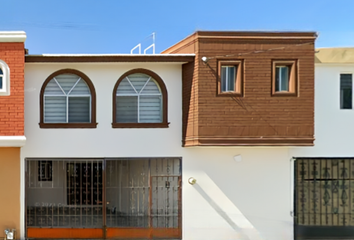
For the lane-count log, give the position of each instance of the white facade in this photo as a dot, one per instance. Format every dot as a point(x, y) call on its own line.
point(333, 126)
point(244, 197)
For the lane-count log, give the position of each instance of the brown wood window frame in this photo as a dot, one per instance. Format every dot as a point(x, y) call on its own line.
point(238, 92)
point(91, 124)
point(293, 77)
point(158, 79)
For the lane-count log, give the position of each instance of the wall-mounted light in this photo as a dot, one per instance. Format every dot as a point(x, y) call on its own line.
point(205, 59)
point(192, 180)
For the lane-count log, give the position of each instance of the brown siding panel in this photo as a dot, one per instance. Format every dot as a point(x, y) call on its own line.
point(257, 118)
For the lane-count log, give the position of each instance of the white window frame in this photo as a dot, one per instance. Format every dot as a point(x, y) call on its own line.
point(227, 78)
point(5, 90)
point(281, 67)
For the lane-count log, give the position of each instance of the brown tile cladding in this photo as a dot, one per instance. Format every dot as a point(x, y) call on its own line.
point(257, 118)
point(12, 106)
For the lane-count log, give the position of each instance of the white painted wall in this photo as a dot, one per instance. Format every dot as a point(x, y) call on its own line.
point(333, 126)
point(247, 199)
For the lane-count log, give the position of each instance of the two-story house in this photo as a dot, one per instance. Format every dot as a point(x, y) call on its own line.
point(197, 142)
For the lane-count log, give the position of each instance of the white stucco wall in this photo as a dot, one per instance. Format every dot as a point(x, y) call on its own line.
point(333, 126)
point(247, 199)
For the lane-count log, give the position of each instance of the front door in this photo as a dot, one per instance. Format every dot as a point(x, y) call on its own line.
point(103, 198)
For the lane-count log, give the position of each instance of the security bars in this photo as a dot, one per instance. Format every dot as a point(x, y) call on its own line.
point(70, 193)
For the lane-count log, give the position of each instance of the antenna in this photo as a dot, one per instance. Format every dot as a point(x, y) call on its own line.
point(151, 46)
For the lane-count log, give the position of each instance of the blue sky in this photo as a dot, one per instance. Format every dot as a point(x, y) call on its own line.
point(116, 26)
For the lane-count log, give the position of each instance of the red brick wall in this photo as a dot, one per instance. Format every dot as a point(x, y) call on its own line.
point(12, 107)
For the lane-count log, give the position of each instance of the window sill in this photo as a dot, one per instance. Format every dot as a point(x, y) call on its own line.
point(284, 94)
point(229, 94)
point(68, 125)
point(140, 125)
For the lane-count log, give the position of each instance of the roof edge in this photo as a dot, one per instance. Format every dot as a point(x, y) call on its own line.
point(12, 36)
point(87, 58)
point(263, 35)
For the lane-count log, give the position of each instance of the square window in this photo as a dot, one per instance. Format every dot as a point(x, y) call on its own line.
point(346, 90)
point(230, 77)
point(284, 78)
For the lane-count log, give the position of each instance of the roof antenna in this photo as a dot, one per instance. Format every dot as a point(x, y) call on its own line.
point(152, 45)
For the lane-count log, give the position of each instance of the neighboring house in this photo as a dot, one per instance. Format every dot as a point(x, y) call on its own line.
point(12, 63)
point(324, 174)
point(114, 142)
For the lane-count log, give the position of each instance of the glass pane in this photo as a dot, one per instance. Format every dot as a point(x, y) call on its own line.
point(231, 78)
point(0, 82)
point(81, 88)
point(284, 79)
point(150, 109)
point(67, 81)
point(79, 109)
point(1, 72)
point(54, 109)
point(346, 91)
point(228, 77)
point(223, 78)
point(151, 88)
point(127, 109)
point(125, 88)
point(53, 89)
point(138, 80)
point(281, 78)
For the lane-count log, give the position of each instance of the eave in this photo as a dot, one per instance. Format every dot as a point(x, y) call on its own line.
point(90, 58)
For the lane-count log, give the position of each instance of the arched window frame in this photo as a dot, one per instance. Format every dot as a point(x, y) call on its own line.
point(160, 82)
point(91, 124)
point(5, 89)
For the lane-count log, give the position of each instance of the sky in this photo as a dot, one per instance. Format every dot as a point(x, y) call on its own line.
point(116, 26)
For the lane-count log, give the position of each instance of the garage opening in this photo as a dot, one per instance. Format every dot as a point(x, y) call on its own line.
point(103, 198)
point(324, 198)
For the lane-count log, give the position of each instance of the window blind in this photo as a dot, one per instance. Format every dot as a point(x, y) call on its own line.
point(67, 99)
point(138, 100)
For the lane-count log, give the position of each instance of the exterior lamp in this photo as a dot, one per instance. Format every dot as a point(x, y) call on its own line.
point(192, 180)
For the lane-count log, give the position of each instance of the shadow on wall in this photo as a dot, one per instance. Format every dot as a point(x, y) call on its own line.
point(250, 196)
point(221, 212)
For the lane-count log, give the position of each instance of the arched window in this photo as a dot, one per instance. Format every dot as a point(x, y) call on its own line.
point(140, 100)
point(4, 79)
point(68, 100)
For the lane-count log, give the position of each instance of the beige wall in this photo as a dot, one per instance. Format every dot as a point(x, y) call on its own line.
point(9, 189)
